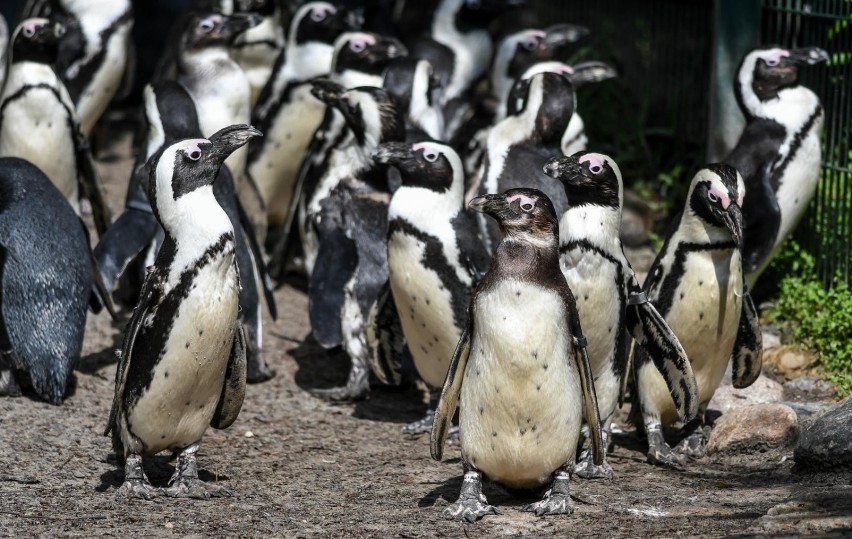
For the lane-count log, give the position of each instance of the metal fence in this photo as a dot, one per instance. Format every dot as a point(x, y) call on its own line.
point(826, 231)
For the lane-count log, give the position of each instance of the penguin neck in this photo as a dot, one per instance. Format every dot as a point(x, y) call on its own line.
point(790, 106)
point(432, 204)
point(202, 65)
point(593, 223)
point(694, 229)
point(472, 50)
point(501, 83)
point(524, 253)
point(352, 78)
point(308, 60)
point(421, 113)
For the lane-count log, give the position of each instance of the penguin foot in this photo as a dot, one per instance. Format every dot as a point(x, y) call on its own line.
point(258, 371)
point(138, 488)
point(9, 386)
point(472, 504)
point(552, 504)
point(587, 469)
point(356, 388)
point(694, 446)
point(192, 487)
point(421, 425)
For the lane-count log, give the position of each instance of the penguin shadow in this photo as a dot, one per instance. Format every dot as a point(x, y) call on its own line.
point(319, 368)
point(158, 468)
point(401, 404)
point(499, 496)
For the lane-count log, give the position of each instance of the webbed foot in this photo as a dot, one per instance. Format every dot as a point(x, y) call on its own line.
point(472, 504)
point(9, 386)
point(659, 451)
point(185, 482)
point(557, 500)
point(694, 446)
point(138, 488)
point(587, 469)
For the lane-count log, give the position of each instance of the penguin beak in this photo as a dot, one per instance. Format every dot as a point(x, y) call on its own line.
point(237, 24)
point(228, 139)
point(392, 153)
point(493, 204)
point(560, 34)
point(733, 218)
point(808, 56)
point(589, 72)
point(565, 169)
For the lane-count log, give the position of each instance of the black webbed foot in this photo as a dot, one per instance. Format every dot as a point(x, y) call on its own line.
point(471, 505)
point(185, 482)
point(659, 451)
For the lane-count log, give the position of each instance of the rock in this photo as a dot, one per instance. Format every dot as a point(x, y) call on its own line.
point(818, 515)
point(763, 390)
point(808, 388)
point(754, 428)
point(791, 361)
point(634, 231)
point(827, 442)
point(770, 340)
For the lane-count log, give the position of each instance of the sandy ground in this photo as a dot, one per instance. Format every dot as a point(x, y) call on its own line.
point(299, 467)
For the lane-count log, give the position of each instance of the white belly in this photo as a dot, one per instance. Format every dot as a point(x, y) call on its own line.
point(106, 81)
point(521, 404)
point(593, 280)
point(425, 308)
point(574, 139)
point(188, 380)
point(705, 321)
point(35, 127)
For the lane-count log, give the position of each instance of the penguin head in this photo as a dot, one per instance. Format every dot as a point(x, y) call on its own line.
point(766, 71)
point(371, 113)
point(191, 166)
point(548, 100)
point(716, 197)
point(321, 22)
point(522, 214)
point(520, 50)
point(216, 30)
point(365, 52)
point(428, 165)
point(579, 75)
point(37, 40)
point(588, 178)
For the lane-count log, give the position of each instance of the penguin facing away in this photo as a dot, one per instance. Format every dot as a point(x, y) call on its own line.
point(520, 374)
point(38, 121)
point(778, 153)
point(611, 305)
point(414, 85)
point(46, 278)
point(696, 284)
point(434, 257)
point(182, 364)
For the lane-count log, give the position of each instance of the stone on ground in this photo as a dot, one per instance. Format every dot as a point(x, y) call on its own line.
point(758, 427)
point(827, 442)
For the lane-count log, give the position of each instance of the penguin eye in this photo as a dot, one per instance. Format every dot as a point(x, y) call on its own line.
point(530, 43)
point(527, 206)
point(29, 31)
point(205, 26)
point(771, 62)
point(712, 196)
point(357, 46)
point(595, 169)
point(195, 154)
point(430, 155)
point(318, 15)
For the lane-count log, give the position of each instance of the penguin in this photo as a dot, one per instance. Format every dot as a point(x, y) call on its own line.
point(95, 55)
point(46, 283)
point(778, 153)
point(345, 236)
point(256, 49)
point(182, 365)
point(218, 85)
point(38, 121)
point(286, 111)
point(610, 302)
point(520, 145)
point(417, 90)
point(696, 283)
point(170, 116)
point(519, 375)
point(434, 257)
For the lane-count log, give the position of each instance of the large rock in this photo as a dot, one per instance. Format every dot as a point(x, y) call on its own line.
point(827, 442)
point(758, 427)
point(762, 391)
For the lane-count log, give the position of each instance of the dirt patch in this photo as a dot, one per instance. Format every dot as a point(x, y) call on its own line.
point(301, 467)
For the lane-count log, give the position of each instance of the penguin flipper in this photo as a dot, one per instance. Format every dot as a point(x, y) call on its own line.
point(90, 183)
point(762, 216)
point(259, 264)
point(337, 260)
point(590, 399)
point(747, 358)
point(449, 400)
point(234, 389)
point(650, 330)
point(132, 232)
point(387, 341)
point(100, 296)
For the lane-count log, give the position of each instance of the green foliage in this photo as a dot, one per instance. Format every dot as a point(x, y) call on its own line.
point(819, 319)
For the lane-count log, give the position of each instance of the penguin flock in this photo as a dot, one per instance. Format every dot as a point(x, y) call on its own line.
point(425, 176)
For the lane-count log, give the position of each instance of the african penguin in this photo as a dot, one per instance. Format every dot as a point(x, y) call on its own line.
point(256, 49)
point(38, 121)
point(520, 145)
point(609, 299)
point(519, 375)
point(696, 284)
point(434, 256)
point(95, 53)
point(413, 83)
point(218, 85)
point(182, 365)
point(170, 116)
point(286, 111)
point(46, 278)
point(778, 153)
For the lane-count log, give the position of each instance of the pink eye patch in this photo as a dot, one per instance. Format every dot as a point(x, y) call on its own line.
point(596, 164)
point(525, 202)
point(720, 195)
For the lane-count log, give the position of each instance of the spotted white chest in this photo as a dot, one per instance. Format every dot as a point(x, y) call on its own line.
point(177, 408)
point(521, 402)
point(36, 125)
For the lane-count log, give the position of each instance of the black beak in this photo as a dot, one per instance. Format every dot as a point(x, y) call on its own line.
point(493, 204)
point(565, 169)
point(237, 24)
point(733, 218)
point(392, 153)
point(228, 139)
point(560, 34)
point(588, 72)
point(809, 56)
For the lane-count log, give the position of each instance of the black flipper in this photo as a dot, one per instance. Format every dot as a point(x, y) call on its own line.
point(234, 388)
point(90, 183)
point(651, 332)
point(449, 400)
point(747, 357)
point(762, 216)
point(590, 399)
point(257, 255)
point(100, 296)
point(129, 235)
point(387, 341)
point(337, 260)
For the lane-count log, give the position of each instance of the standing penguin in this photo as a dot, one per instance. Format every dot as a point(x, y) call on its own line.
point(778, 153)
point(611, 304)
point(696, 283)
point(46, 278)
point(256, 49)
point(182, 364)
point(95, 52)
point(38, 121)
point(520, 368)
point(434, 257)
point(413, 83)
point(170, 115)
